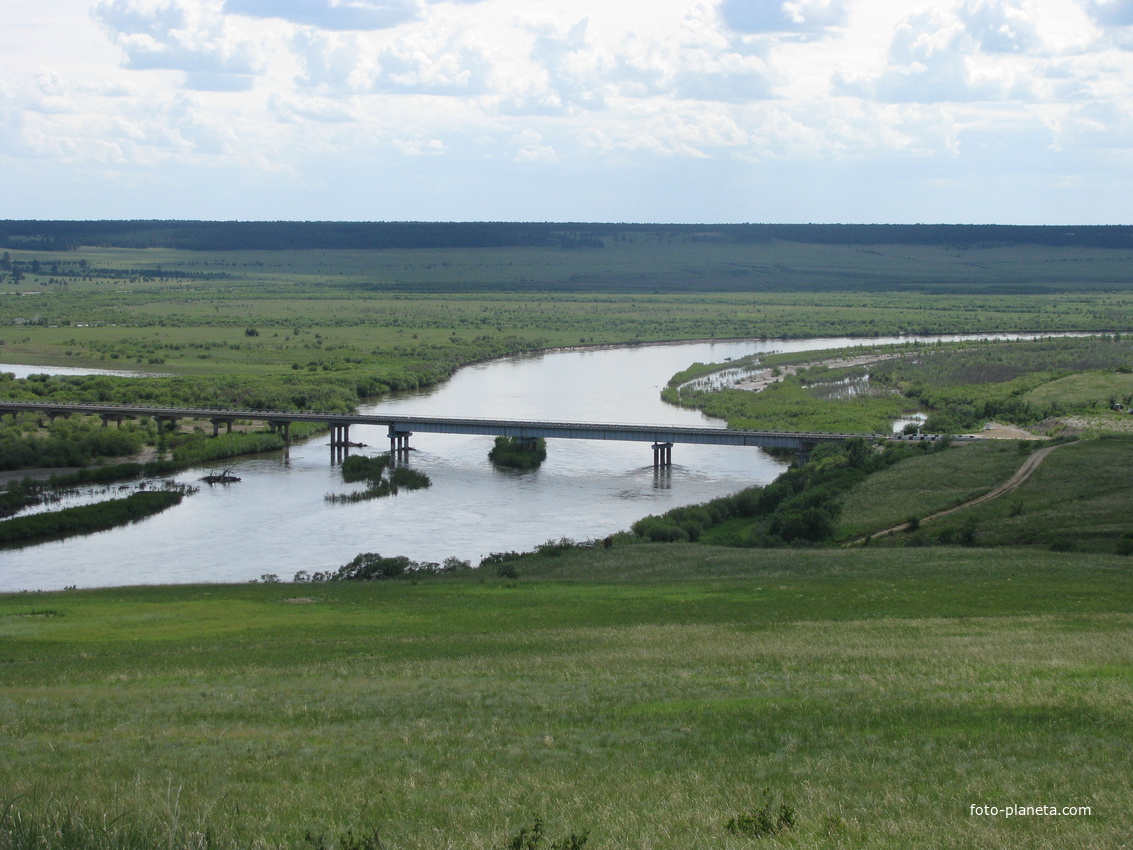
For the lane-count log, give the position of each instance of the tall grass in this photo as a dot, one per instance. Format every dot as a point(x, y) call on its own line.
point(86, 519)
point(646, 694)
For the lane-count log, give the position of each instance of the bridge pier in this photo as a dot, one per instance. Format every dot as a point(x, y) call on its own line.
point(217, 421)
point(278, 426)
point(107, 417)
point(802, 454)
point(399, 444)
point(662, 455)
point(166, 423)
point(339, 440)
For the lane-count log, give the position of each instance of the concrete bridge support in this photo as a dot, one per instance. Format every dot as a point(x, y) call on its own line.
point(281, 427)
point(166, 423)
point(804, 450)
point(399, 444)
point(217, 421)
point(662, 455)
point(107, 418)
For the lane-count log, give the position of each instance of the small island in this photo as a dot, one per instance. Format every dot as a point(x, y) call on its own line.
point(518, 453)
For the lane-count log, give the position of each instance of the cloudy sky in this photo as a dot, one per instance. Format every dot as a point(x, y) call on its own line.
point(1010, 111)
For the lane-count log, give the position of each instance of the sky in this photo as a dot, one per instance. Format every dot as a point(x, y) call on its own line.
point(895, 111)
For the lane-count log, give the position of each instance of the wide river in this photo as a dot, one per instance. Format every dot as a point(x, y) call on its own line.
point(276, 520)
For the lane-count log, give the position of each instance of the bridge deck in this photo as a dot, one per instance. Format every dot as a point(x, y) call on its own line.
point(446, 425)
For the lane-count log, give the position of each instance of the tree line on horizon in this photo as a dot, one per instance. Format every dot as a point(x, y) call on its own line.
point(377, 235)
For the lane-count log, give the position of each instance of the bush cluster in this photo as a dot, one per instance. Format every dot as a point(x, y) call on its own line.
point(514, 453)
point(801, 506)
point(370, 470)
point(67, 442)
point(371, 566)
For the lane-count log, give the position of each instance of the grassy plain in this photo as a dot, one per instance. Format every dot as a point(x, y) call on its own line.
point(187, 313)
point(645, 693)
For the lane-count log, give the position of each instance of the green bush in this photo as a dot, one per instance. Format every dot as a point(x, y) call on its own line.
point(514, 453)
point(87, 519)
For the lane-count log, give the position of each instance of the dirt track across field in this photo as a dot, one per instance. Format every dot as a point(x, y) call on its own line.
point(1021, 475)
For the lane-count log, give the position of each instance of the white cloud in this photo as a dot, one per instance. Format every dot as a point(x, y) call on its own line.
point(663, 93)
point(180, 34)
point(974, 52)
point(419, 147)
point(1000, 27)
point(564, 74)
point(432, 63)
point(531, 148)
point(332, 62)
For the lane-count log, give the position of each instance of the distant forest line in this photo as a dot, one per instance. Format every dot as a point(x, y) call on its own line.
point(296, 235)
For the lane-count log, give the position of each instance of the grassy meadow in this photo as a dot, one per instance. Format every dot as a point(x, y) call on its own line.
point(930, 483)
point(1079, 498)
point(188, 312)
point(644, 695)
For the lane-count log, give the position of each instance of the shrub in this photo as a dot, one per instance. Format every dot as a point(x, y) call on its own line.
point(514, 453)
point(370, 566)
point(1125, 544)
point(362, 468)
point(763, 822)
point(532, 839)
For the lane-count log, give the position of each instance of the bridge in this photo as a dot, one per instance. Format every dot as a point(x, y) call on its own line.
point(401, 427)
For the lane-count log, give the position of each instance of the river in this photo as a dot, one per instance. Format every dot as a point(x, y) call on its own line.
point(276, 520)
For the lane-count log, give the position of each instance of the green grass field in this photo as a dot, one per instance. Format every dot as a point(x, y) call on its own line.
point(1079, 498)
point(646, 694)
point(186, 312)
point(1089, 388)
point(924, 485)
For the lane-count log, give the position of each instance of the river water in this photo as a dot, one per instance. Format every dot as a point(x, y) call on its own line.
point(276, 520)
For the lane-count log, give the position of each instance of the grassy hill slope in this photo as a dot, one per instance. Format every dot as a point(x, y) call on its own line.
point(1079, 498)
point(647, 694)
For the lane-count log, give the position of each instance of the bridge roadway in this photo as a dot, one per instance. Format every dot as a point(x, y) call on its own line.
point(401, 427)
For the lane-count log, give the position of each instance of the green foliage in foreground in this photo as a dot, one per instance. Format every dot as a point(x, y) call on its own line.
point(514, 453)
point(86, 519)
point(645, 695)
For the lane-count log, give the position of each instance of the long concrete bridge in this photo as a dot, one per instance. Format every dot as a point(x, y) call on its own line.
point(401, 427)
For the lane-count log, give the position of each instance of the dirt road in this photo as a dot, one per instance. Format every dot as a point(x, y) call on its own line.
point(1021, 475)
